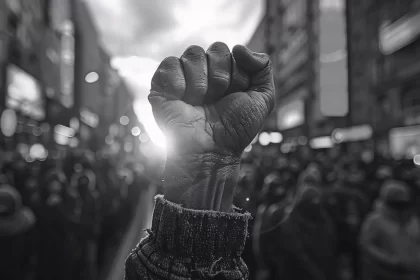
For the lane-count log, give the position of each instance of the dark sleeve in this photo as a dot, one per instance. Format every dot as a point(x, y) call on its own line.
point(361, 200)
point(190, 244)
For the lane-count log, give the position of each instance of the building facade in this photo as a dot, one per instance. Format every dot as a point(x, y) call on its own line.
point(307, 43)
point(22, 26)
point(88, 61)
point(87, 79)
point(330, 101)
point(54, 71)
point(362, 50)
point(395, 30)
point(289, 35)
point(58, 63)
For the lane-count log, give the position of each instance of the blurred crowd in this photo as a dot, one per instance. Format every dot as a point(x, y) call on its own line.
point(64, 218)
point(320, 214)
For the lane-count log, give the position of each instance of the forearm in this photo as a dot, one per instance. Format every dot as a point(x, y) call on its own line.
point(202, 182)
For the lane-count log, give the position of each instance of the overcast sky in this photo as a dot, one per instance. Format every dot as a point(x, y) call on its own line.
point(159, 28)
point(140, 33)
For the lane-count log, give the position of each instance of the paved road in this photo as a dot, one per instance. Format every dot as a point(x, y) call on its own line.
point(141, 221)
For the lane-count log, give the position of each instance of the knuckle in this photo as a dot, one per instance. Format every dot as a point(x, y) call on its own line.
point(200, 86)
point(193, 51)
point(218, 47)
point(170, 62)
point(220, 77)
point(170, 59)
point(199, 79)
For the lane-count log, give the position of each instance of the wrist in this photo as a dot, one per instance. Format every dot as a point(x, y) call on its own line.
point(202, 181)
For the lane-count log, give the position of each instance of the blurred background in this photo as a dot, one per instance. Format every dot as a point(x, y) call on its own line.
point(79, 145)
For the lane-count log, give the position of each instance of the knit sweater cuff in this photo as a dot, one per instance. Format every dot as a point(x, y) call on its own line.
point(197, 234)
point(183, 240)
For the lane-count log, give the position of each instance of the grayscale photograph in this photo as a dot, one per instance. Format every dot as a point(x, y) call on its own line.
point(210, 139)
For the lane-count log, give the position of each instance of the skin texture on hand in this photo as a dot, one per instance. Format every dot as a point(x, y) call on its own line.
point(210, 107)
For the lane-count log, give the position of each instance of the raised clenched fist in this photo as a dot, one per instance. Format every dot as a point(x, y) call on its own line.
point(214, 102)
point(210, 107)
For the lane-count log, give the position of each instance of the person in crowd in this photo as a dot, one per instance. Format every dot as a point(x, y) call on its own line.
point(276, 188)
point(355, 176)
point(369, 162)
point(245, 198)
point(261, 171)
point(211, 105)
point(126, 179)
point(55, 251)
point(275, 196)
point(406, 172)
point(90, 220)
point(246, 188)
point(112, 202)
point(31, 183)
point(390, 237)
point(20, 172)
point(295, 167)
point(347, 206)
point(140, 182)
point(16, 247)
point(8, 173)
point(301, 245)
point(416, 190)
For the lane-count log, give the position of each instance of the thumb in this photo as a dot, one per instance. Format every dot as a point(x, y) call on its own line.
point(249, 61)
point(258, 67)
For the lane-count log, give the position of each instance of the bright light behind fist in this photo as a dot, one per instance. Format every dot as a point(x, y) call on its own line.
point(214, 102)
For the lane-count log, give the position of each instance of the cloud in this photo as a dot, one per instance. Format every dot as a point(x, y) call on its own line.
point(160, 28)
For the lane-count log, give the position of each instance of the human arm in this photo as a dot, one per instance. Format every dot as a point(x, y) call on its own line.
point(210, 111)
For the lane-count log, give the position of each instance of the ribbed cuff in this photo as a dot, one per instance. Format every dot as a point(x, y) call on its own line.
point(183, 241)
point(197, 234)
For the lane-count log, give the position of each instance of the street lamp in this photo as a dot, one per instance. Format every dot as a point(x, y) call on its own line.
point(92, 77)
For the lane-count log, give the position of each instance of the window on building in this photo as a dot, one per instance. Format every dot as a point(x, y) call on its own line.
point(374, 72)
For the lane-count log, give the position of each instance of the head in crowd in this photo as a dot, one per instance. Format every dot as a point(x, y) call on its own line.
point(310, 177)
point(384, 172)
point(295, 166)
point(313, 172)
point(355, 173)
point(307, 200)
point(19, 163)
point(55, 185)
point(248, 176)
point(416, 177)
point(34, 168)
point(281, 163)
point(367, 156)
point(395, 199)
point(405, 170)
point(84, 182)
point(277, 187)
point(7, 171)
point(14, 218)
